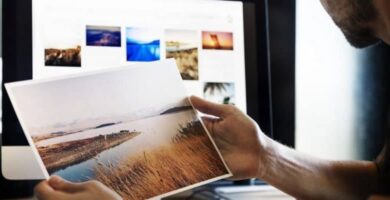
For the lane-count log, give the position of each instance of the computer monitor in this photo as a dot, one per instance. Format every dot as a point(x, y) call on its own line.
point(221, 49)
point(206, 38)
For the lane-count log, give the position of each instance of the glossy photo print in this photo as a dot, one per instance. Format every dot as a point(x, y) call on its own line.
point(217, 40)
point(120, 128)
point(142, 44)
point(182, 45)
point(107, 36)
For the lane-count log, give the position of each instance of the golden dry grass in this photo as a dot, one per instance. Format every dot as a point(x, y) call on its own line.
point(189, 159)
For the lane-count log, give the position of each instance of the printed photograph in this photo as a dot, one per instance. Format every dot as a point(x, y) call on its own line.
point(125, 133)
point(107, 36)
point(223, 93)
point(69, 57)
point(182, 45)
point(217, 40)
point(142, 44)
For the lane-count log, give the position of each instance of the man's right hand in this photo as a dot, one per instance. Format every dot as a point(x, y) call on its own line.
point(238, 137)
point(249, 153)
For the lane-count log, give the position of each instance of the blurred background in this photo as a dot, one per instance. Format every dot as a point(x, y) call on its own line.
point(329, 99)
point(341, 92)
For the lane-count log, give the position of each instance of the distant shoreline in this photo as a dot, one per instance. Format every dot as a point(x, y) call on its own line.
point(63, 133)
point(60, 133)
point(62, 155)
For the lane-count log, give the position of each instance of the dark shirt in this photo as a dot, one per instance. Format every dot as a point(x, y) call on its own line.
point(383, 162)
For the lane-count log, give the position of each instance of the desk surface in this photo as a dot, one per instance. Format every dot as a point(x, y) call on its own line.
point(264, 192)
point(248, 193)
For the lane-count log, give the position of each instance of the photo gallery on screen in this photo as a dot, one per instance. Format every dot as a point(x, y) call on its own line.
point(145, 45)
point(142, 45)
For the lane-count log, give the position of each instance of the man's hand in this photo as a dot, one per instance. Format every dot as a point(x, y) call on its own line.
point(238, 137)
point(57, 188)
point(249, 153)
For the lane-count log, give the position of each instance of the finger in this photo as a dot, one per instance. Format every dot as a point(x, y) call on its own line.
point(60, 184)
point(44, 191)
point(209, 123)
point(208, 107)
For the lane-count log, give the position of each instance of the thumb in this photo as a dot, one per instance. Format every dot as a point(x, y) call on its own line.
point(208, 122)
point(60, 184)
point(44, 191)
point(207, 107)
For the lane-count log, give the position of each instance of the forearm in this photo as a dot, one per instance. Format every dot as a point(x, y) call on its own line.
point(305, 177)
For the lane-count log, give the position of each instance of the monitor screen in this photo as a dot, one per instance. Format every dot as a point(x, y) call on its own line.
point(206, 38)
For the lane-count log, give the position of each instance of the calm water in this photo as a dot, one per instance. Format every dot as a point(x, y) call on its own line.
point(155, 131)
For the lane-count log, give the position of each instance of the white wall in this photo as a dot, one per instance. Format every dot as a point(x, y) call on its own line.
point(325, 75)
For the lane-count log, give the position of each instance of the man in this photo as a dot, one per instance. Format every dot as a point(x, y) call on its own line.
point(249, 153)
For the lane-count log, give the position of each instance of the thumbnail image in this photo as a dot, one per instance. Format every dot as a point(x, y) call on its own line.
point(142, 44)
point(217, 40)
point(140, 149)
point(62, 45)
point(109, 36)
point(64, 57)
point(223, 93)
point(182, 45)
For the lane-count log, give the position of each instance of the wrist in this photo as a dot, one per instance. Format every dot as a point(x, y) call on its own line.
point(265, 156)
